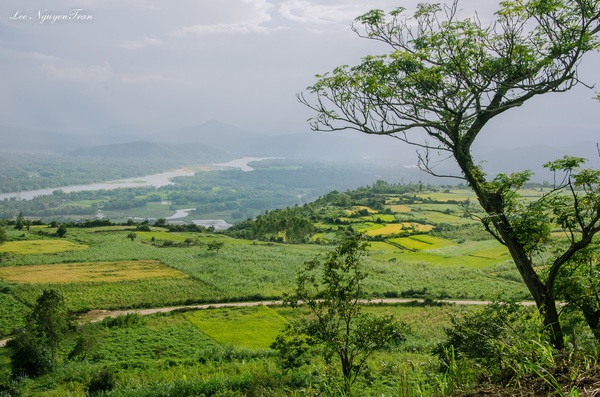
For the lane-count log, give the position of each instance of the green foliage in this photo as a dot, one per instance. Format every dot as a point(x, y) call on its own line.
point(20, 221)
point(3, 236)
point(35, 348)
point(29, 355)
point(128, 320)
point(332, 290)
point(61, 231)
point(577, 284)
point(500, 339)
point(449, 77)
point(89, 339)
point(215, 245)
point(101, 381)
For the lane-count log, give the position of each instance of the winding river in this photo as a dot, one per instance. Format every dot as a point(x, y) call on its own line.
point(158, 180)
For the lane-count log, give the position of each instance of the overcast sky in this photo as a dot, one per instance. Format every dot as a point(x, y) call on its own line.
point(183, 62)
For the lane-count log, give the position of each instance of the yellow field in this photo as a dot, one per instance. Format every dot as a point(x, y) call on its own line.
point(395, 228)
point(88, 272)
point(40, 246)
point(399, 208)
point(357, 208)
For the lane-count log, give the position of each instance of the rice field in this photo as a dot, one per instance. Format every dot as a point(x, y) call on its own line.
point(89, 272)
point(28, 247)
point(421, 242)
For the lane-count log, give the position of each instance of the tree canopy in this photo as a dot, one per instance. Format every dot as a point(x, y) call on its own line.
point(445, 78)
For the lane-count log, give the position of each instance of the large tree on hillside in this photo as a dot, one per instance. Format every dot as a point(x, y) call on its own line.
point(444, 80)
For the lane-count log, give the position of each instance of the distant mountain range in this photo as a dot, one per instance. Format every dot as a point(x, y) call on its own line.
point(214, 141)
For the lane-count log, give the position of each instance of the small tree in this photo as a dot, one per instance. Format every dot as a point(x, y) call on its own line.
point(61, 231)
point(131, 236)
point(332, 290)
point(215, 246)
point(35, 348)
point(20, 221)
point(3, 235)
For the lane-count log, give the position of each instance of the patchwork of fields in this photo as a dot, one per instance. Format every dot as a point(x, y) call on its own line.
point(418, 250)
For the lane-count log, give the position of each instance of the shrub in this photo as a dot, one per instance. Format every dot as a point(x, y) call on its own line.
point(103, 380)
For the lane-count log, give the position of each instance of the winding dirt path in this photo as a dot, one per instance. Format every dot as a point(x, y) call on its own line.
point(99, 315)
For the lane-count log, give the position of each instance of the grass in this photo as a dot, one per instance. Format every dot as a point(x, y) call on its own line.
point(162, 337)
point(455, 194)
point(247, 271)
point(81, 297)
point(28, 247)
point(12, 313)
point(89, 272)
point(248, 327)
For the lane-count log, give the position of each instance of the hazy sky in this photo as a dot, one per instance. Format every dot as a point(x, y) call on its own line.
point(183, 62)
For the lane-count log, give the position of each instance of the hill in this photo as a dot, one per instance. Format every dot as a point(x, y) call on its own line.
point(195, 152)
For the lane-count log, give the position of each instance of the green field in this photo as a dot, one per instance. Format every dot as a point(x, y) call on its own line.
point(248, 327)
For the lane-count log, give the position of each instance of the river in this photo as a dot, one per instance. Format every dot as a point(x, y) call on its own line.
point(158, 180)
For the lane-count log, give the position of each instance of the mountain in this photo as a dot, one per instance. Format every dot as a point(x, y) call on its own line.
point(24, 140)
point(534, 157)
point(216, 134)
point(195, 152)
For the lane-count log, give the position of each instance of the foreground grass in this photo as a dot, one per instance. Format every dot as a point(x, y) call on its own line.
point(198, 353)
point(247, 327)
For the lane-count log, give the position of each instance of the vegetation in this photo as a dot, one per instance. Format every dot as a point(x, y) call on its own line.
point(333, 292)
point(449, 78)
point(35, 348)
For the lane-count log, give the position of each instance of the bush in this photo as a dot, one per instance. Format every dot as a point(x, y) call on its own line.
point(128, 320)
point(29, 355)
point(503, 341)
point(103, 380)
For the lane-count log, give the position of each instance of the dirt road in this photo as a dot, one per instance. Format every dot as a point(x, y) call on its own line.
point(99, 315)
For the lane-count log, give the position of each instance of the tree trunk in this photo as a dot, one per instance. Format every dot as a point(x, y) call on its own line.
point(592, 317)
point(493, 205)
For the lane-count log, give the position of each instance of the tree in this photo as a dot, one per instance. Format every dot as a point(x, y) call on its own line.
point(445, 80)
point(61, 231)
point(332, 290)
point(215, 246)
point(3, 236)
point(132, 236)
point(35, 348)
point(20, 221)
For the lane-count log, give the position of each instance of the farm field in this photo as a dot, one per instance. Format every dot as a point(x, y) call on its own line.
point(121, 267)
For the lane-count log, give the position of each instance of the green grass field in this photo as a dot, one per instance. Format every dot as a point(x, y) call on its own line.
point(248, 327)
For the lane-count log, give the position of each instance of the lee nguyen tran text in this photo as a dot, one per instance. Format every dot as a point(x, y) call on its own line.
point(45, 16)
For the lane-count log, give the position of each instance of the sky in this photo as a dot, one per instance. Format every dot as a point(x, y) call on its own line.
point(170, 64)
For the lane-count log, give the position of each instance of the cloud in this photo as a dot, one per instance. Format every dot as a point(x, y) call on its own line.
point(140, 43)
point(306, 12)
point(259, 9)
point(90, 74)
point(230, 29)
point(147, 79)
